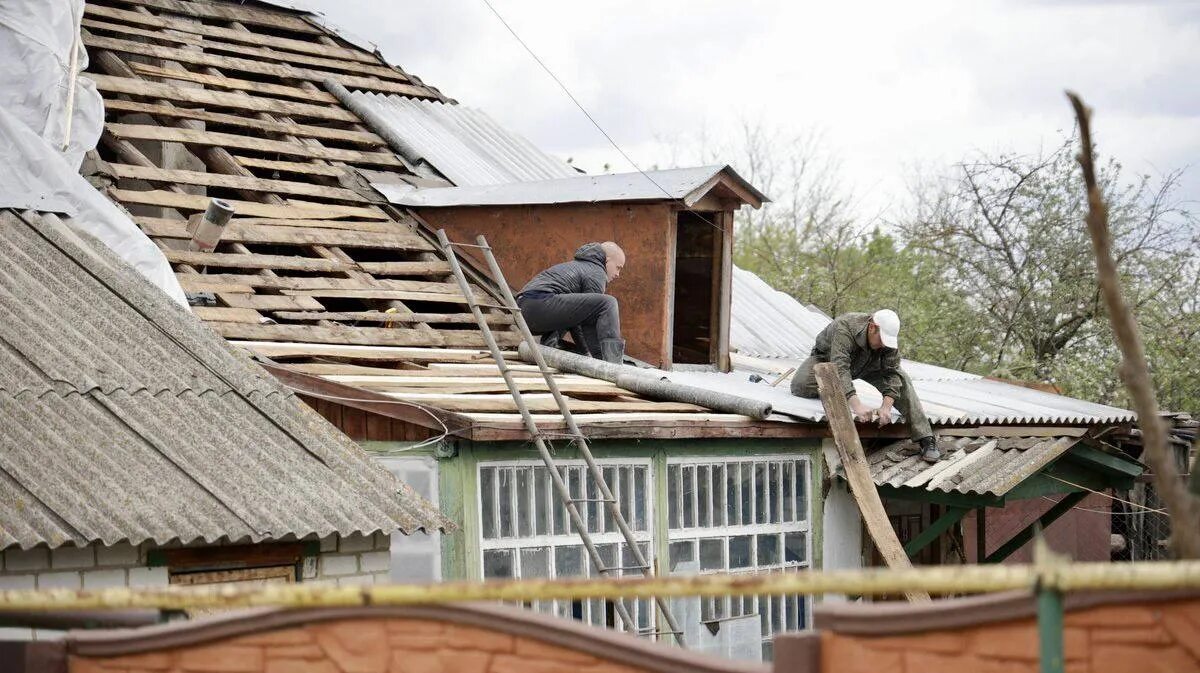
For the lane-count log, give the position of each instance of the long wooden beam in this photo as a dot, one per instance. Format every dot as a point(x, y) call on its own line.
point(858, 473)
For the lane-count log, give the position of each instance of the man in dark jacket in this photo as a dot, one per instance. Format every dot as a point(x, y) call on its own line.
point(569, 297)
point(864, 346)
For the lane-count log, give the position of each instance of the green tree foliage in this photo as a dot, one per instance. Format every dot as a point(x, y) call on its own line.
point(992, 269)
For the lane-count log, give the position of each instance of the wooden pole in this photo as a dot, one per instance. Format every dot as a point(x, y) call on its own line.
point(858, 473)
point(1143, 576)
point(1183, 506)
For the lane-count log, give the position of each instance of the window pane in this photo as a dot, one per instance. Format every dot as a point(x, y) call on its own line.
point(739, 551)
point(498, 563)
point(535, 562)
point(504, 480)
point(560, 510)
point(610, 477)
point(608, 559)
point(801, 491)
point(732, 504)
point(568, 561)
point(674, 495)
point(703, 479)
point(789, 502)
point(762, 510)
point(768, 549)
point(795, 547)
point(689, 496)
point(682, 552)
point(718, 494)
point(487, 498)
point(639, 498)
point(774, 476)
point(577, 494)
point(545, 505)
point(746, 470)
point(629, 562)
point(712, 554)
point(524, 502)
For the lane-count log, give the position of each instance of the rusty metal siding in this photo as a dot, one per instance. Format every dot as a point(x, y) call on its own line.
point(530, 238)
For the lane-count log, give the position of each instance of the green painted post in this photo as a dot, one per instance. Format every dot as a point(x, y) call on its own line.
point(1050, 629)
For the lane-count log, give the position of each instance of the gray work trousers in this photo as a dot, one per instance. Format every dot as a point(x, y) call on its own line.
point(804, 384)
point(595, 315)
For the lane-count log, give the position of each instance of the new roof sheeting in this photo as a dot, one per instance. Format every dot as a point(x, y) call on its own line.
point(462, 143)
point(687, 185)
point(772, 332)
point(126, 419)
point(969, 465)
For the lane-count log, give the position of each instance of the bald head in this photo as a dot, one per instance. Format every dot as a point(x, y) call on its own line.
point(614, 259)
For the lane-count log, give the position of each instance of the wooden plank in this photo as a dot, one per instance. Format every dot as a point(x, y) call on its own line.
point(858, 472)
point(258, 67)
point(385, 294)
point(295, 210)
point(288, 128)
point(197, 28)
point(365, 336)
point(265, 54)
point(233, 83)
point(227, 314)
point(367, 353)
point(241, 261)
point(379, 316)
point(537, 402)
point(271, 302)
point(230, 12)
point(291, 166)
point(253, 233)
point(294, 282)
point(227, 140)
point(326, 368)
point(437, 268)
point(237, 101)
point(351, 225)
point(182, 177)
point(201, 286)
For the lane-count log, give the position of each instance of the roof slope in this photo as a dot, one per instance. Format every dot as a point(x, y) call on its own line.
point(772, 332)
point(126, 419)
point(314, 257)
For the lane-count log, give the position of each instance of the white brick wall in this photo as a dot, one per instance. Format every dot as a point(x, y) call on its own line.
point(353, 560)
point(416, 557)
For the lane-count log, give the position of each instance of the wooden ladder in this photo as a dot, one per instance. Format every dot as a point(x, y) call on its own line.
point(573, 433)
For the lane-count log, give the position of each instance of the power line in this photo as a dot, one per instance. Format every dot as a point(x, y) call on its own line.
point(589, 116)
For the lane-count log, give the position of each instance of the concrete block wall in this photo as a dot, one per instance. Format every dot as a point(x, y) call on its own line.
point(351, 560)
point(91, 567)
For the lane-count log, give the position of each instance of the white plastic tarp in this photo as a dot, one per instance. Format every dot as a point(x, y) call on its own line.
point(36, 37)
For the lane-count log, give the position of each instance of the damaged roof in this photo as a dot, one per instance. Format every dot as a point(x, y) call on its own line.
point(772, 333)
point(127, 420)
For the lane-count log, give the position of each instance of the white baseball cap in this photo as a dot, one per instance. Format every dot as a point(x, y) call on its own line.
point(889, 326)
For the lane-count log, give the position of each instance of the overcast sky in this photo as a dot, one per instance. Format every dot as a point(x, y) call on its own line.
point(889, 85)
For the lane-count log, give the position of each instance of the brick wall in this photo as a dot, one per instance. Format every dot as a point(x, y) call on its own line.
point(426, 639)
point(1138, 638)
point(352, 560)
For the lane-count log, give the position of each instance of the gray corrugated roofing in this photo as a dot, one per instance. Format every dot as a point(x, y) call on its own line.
point(970, 465)
point(126, 419)
point(464, 144)
point(772, 332)
point(688, 185)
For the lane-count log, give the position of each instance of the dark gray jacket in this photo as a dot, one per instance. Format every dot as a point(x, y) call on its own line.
point(844, 343)
point(583, 275)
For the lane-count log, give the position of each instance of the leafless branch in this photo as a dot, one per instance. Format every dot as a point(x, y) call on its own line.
point(1184, 508)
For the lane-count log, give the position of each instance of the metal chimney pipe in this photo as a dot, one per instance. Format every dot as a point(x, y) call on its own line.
point(208, 230)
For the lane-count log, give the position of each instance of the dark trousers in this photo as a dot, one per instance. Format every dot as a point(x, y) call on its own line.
point(596, 316)
point(804, 384)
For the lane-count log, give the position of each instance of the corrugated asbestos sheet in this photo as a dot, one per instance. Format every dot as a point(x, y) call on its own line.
point(126, 419)
point(688, 185)
point(772, 332)
point(464, 144)
point(970, 465)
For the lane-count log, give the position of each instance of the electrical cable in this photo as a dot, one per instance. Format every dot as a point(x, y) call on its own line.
point(1110, 497)
point(592, 119)
point(335, 398)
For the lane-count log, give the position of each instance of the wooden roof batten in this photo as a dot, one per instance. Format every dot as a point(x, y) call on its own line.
point(315, 270)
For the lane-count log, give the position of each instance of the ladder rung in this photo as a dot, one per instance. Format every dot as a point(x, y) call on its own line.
point(593, 499)
point(469, 245)
point(606, 569)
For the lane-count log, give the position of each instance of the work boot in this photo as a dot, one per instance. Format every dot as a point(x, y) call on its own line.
point(929, 449)
point(612, 350)
point(551, 340)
